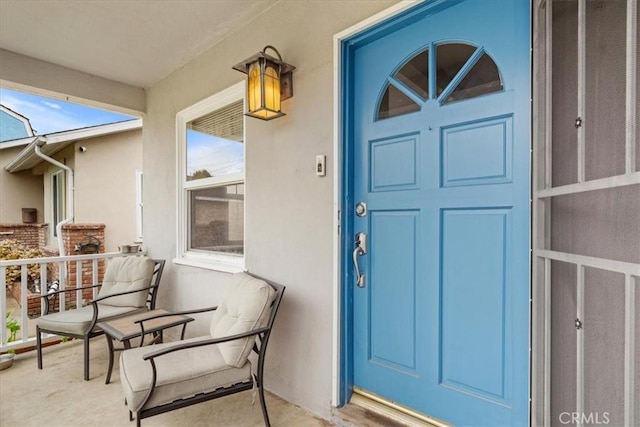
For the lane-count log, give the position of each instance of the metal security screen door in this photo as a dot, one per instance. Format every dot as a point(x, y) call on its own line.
point(438, 194)
point(586, 193)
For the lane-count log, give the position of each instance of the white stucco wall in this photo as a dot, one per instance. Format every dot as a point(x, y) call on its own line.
point(105, 181)
point(289, 241)
point(19, 190)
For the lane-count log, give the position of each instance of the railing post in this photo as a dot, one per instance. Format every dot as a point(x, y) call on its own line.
point(79, 291)
point(24, 301)
point(43, 285)
point(94, 281)
point(62, 273)
point(3, 306)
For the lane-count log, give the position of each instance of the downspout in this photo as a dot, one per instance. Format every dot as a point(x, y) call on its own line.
point(70, 192)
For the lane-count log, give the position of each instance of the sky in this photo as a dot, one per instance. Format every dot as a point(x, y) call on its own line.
point(48, 115)
point(217, 155)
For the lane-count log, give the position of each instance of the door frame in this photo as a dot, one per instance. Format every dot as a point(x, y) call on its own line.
point(344, 44)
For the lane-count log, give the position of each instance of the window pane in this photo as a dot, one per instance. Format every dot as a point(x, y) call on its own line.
point(395, 103)
point(57, 199)
point(214, 143)
point(449, 60)
point(217, 219)
point(483, 78)
point(55, 202)
point(415, 74)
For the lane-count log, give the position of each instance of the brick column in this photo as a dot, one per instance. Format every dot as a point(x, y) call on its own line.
point(74, 235)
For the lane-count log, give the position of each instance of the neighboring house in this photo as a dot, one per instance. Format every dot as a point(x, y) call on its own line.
point(106, 162)
point(13, 125)
point(487, 149)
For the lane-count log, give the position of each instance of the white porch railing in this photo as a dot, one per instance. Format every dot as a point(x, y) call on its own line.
point(64, 262)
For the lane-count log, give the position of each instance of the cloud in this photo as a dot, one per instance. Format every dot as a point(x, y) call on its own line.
point(52, 105)
point(20, 105)
point(43, 117)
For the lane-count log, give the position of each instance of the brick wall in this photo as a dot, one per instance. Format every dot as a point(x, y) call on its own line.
point(33, 236)
point(75, 235)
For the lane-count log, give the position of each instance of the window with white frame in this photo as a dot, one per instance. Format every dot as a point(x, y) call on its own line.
point(57, 199)
point(211, 181)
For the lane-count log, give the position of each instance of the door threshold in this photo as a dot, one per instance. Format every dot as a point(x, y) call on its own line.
point(368, 409)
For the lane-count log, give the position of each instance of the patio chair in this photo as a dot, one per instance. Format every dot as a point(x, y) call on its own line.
point(130, 285)
point(174, 375)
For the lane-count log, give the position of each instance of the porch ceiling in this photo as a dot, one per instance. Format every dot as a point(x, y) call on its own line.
point(132, 42)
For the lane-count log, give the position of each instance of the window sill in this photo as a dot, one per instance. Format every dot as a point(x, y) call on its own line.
point(223, 265)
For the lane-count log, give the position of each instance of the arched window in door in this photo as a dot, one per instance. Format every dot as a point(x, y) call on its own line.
point(461, 71)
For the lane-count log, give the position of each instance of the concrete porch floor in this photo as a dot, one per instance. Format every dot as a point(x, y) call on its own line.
point(57, 396)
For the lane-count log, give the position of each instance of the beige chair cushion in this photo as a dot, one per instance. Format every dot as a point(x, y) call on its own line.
point(245, 306)
point(181, 374)
point(127, 274)
point(77, 321)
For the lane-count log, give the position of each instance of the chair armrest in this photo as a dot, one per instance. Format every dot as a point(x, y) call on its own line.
point(45, 298)
point(94, 304)
point(175, 313)
point(49, 294)
point(209, 341)
point(178, 313)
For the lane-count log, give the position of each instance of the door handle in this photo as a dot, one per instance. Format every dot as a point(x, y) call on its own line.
point(359, 250)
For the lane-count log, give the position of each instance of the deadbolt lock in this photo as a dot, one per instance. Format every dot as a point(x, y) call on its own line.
point(361, 209)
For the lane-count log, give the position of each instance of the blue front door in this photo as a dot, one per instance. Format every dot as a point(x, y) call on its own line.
point(440, 137)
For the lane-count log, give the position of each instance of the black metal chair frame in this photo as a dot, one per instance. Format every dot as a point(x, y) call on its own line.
point(92, 331)
point(260, 348)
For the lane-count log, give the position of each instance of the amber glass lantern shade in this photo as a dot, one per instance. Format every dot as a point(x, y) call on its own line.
point(268, 83)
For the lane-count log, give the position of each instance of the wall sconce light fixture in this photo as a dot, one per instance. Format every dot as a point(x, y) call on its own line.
point(269, 81)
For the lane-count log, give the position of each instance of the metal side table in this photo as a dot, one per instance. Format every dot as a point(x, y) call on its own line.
point(127, 328)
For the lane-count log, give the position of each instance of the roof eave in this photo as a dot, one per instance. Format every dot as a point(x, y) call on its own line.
point(18, 162)
point(27, 158)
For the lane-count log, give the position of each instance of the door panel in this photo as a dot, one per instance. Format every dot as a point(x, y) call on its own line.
point(441, 145)
point(392, 300)
point(386, 154)
point(477, 153)
point(473, 317)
